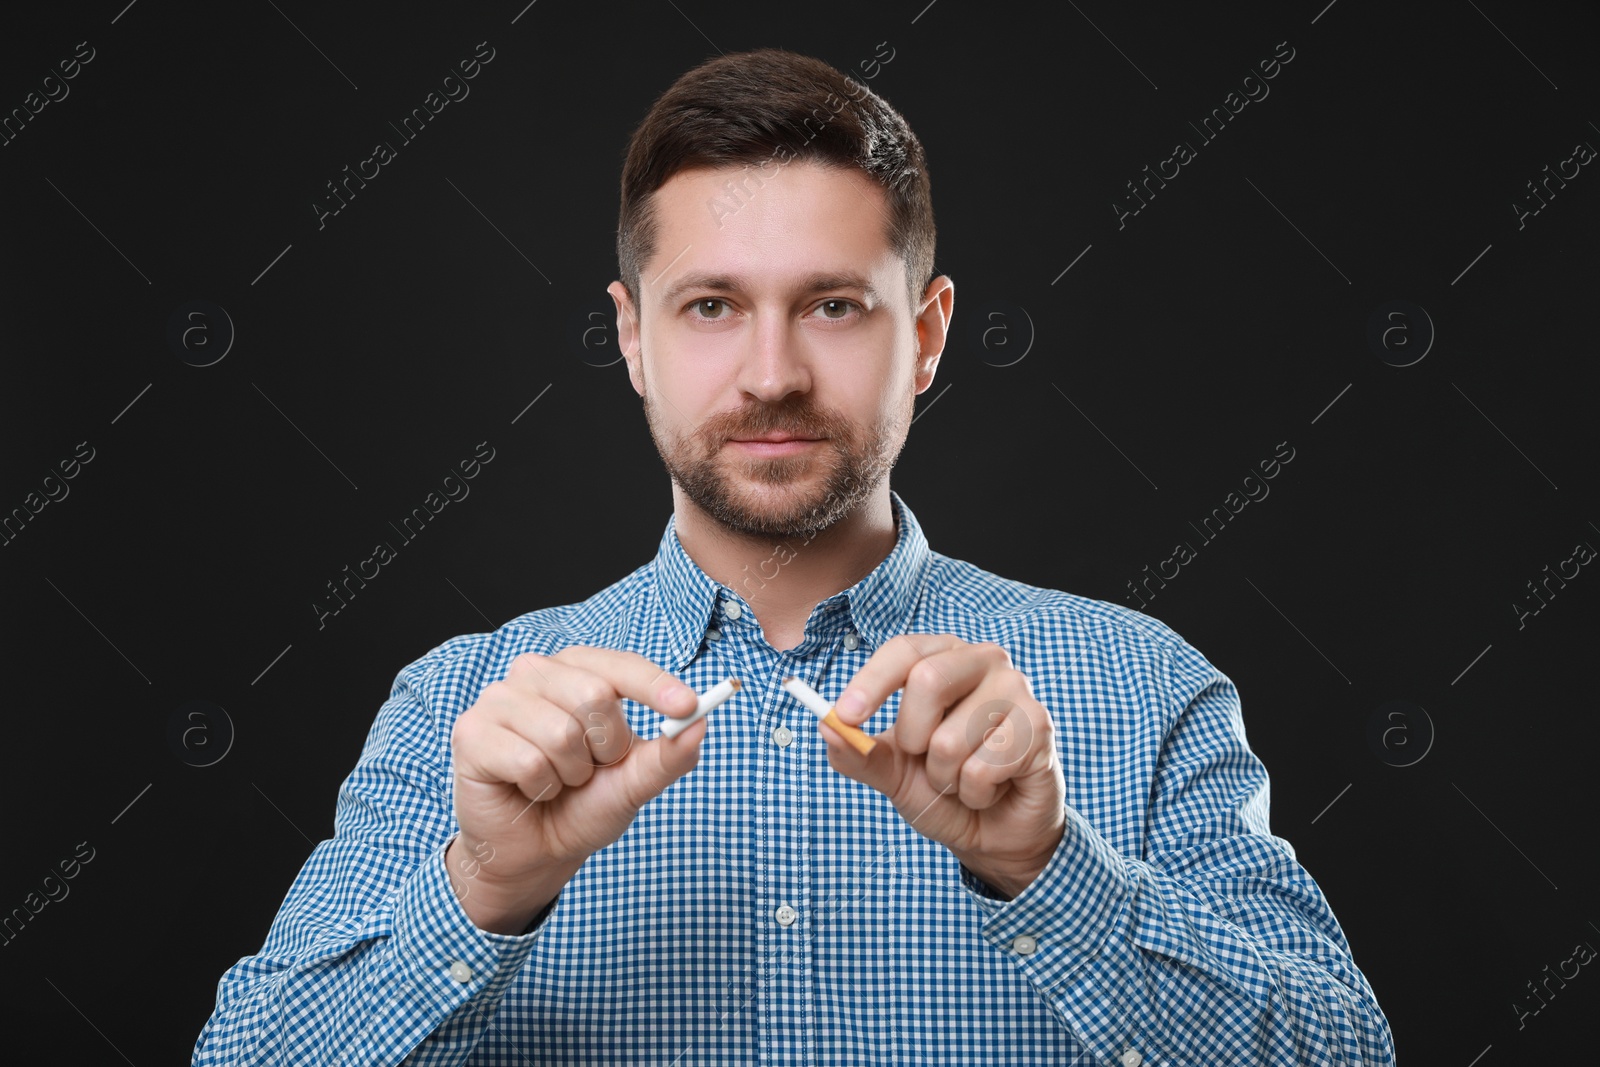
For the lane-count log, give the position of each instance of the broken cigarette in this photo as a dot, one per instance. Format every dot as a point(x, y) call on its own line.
point(708, 700)
point(812, 699)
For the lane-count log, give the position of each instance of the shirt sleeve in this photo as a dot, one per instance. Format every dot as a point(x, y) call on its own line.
point(371, 957)
point(1212, 946)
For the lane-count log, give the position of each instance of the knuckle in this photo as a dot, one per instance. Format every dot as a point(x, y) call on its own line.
point(464, 733)
point(571, 734)
point(530, 764)
point(924, 675)
point(906, 642)
point(945, 748)
point(593, 693)
point(996, 653)
point(523, 665)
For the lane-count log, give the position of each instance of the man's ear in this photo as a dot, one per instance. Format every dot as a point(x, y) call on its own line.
point(628, 333)
point(933, 327)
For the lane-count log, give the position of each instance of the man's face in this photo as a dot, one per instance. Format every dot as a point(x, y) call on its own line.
point(774, 344)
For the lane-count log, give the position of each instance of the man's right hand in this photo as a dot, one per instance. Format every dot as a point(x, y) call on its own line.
point(548, 771)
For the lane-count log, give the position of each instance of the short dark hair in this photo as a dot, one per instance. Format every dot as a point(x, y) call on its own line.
point(770, 107)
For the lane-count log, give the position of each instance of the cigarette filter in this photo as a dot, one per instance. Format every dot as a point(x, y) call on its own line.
point(812, 699)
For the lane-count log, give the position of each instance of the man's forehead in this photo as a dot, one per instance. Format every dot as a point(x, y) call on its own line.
point(798, 227)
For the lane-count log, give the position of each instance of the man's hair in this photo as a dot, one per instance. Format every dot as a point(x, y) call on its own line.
point(764, 109)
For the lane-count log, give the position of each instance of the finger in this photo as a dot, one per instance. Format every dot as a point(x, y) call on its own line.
point(938, 683)
point(886, 671)
point(1001, 756)
point(590, 701)
point(875, 769)
point(656, 764)
point(589, 681)
point(633, 676)
point(486, 752)
point(957, 737)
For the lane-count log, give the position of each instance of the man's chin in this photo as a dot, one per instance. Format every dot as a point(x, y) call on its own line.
point(766, 509)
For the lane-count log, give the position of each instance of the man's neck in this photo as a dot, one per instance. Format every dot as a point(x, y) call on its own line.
point(784, 578)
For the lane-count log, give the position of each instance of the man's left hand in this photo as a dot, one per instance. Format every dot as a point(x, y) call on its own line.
point(970, 761)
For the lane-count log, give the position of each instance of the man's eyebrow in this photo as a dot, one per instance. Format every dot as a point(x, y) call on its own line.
point(727, 283)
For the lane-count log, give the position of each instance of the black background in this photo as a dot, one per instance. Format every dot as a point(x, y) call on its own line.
point(1229, 315)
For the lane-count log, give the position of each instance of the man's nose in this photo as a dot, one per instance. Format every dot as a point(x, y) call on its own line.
point(776, 363)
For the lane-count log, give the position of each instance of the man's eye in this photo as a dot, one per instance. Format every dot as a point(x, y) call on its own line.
point(710, 308)
point(836, 309)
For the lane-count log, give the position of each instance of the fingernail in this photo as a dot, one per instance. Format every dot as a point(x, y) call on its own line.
point(852, 706)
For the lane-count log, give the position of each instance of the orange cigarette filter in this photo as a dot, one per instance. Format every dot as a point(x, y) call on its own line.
point(808, 696)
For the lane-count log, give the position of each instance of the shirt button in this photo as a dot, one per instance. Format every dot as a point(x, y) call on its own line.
point(785, 915)
point(1131, 1058)
point(713, 634)
point(461, 972)
point(1024, 945)
point(782, 736)
point(733, 611)
point(851, 642)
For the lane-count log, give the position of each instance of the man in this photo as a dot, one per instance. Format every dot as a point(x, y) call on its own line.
point(1056, 852)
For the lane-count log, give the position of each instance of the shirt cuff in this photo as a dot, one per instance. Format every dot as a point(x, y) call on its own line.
point(441, 969)
point(1068, 933)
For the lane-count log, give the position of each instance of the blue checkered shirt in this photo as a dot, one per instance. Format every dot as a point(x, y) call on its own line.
point(1169, 928)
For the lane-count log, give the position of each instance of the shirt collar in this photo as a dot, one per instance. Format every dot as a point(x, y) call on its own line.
point(877, 607)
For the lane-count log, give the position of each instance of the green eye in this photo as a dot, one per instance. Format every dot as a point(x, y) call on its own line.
point(710, 308)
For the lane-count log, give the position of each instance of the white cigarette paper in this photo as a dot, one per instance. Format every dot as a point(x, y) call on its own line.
point(708, 700)
point(855, 738)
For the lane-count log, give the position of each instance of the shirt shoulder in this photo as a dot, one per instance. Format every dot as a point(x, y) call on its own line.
point(1020, 615)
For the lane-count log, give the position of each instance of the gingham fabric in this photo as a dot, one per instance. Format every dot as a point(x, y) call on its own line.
point(1169, 928)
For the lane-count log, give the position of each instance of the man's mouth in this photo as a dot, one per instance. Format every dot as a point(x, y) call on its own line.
point(777, 443)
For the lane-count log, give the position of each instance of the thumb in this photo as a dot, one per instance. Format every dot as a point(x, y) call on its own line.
point(657, 764)
point(878, 769)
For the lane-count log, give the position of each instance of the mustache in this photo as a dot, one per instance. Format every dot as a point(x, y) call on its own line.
point(796, 420)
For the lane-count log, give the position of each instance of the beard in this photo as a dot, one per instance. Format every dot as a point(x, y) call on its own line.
point(780, 496)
